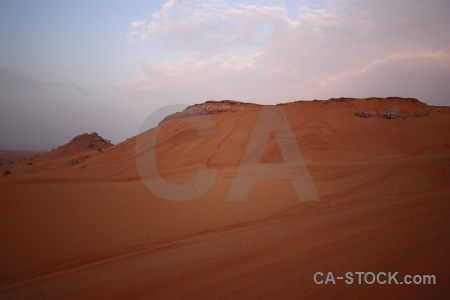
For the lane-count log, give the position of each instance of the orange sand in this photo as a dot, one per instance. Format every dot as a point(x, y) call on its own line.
point(92, 230)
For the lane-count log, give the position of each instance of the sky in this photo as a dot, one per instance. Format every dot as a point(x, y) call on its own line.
point(69, 67)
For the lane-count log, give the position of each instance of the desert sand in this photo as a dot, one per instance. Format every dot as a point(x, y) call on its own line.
point(79, 222)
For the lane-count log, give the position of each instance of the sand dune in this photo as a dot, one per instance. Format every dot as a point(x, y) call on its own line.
point(94, 229)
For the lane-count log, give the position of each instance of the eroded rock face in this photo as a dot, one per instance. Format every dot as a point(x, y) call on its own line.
point(366, 114)
point(209, 107)
point(414, 108)
point(393, 113)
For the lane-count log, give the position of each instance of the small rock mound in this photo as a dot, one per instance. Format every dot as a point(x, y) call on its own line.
point(91, 140)
point(209, 107)
point(84, 142)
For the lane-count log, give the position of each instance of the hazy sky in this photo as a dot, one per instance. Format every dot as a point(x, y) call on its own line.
point(68, 67)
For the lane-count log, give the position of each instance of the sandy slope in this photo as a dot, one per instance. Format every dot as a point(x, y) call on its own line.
point(93, 230)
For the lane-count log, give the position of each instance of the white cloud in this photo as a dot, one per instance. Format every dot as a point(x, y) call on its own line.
point(199, 76)
point(424, 75)
point(435, 60)
point(257, 53)
point(206, 28)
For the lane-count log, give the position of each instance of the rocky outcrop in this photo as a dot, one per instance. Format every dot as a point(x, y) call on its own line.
point(209, 107)
point(82, 143)
point(366, 113)
point(79, 149)
point(414, 110)
point(339, 101)
point(89, 140)
point(393, 113)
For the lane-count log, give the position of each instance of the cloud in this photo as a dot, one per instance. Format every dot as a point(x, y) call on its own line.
point(19, 82)
point(257, 52)
point(208, 28)
point(199, 76)
point(433, 60)
point(424, 75)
